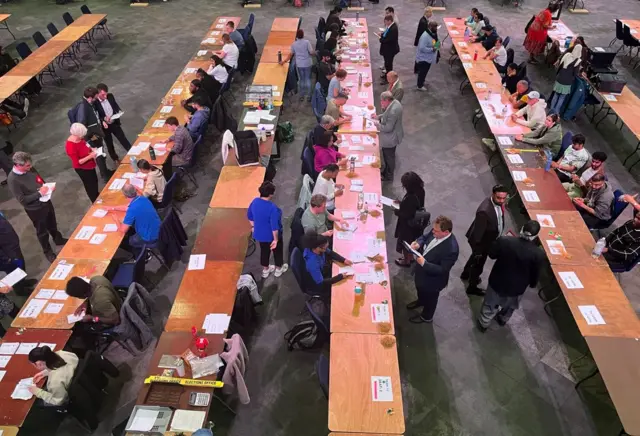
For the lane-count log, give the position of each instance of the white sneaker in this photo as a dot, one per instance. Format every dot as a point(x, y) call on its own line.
point(280, 271)
point(26, 105)
point(266, 272)
point(423, 89)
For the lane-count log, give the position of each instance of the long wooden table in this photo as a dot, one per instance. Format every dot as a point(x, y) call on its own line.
point(29, 68)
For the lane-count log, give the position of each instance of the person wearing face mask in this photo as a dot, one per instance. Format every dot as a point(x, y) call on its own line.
point(58, 369)
point(517, 266)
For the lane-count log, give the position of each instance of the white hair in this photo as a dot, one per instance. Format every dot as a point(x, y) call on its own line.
point(78, 129)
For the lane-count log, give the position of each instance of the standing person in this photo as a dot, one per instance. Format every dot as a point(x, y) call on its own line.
point(536, 39)
point(623, 244)
point(154, 182)
point(423, 24)
point(266, 222)
point(395, 85)
point(438, 253)
point(569, 67)
point(389, 46)
point(235, 36)
point(83, 159)
point(326, 70)
point(326, 186)
point(7, 307)
point(229, 53)
point(11, 256)
point(412, 201)
point(28, 188)
point(427, 53)
point(106, 106)
point(487, 226)
point(303, 52)
point(518, 263)
point(389, 125)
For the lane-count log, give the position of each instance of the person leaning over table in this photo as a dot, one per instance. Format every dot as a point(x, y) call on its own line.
point(197, 122)
point(141, 215)
point(235, 36)
point(412, 201)
point(335, 109)
point(574, 158)
point(547, 136)
point(218, 71)
point(498, 54)
point(335, 85)
point(315, 217)
point(83, 159)
point(266, 223)
point(391, 133)
point(488, 37)
point(623, 244)
point(209, 84)
point(317, 260)
point(58, 368)
point(102, 303)
point(427, 53)
point(580, 184)
point(326, 71)
point(197, 91)
point(326, 124)
point(534, 112)
point(28, 188)
point(229, 53)
point(326, 186)
point(595, 207)
point(182, 143)
point(520, 96)
point(326, 153)
point(154, 182)
point(511, 78)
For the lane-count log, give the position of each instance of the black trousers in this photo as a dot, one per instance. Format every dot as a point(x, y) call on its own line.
point(115, 130)
point(5, 162)
point(423, 69)
point(13, 314)
point(265, 253)
point(389, 156)
point(44, 220)
point(428, 299)
point(90, 181)
point(563, 177)
point(591, 221)
point(388, 62)
point(474, 267)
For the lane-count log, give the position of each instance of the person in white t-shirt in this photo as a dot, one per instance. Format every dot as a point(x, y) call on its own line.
point(229, 53)
point(326, 186)
point(574, 158)
point(217, 70)
point(498, 54)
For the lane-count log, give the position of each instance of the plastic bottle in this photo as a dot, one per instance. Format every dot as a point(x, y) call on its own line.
point(549, 159)
point(475, 55)
point(488, 96)
point(357, 16)
point(152, 153)
point(359, 80)
point(357, 300)
point(279, 56)
point(263, 134)
point(134, 164)
point(352, 166)
point(360, 200)
point(365, 213)
point(597, 250)
point(466, 33)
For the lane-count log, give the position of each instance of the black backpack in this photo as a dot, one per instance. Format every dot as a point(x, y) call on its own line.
point(247, 147)
point(303, 336)
point(73, 113)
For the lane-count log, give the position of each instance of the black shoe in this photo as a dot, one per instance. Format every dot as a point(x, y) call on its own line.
point(501, 322)
point(413, 305)
point(402, 264)
point(480, 326)
point(464, 276)
point(418, 319)
point(474, 290)
point(50, 255)
point(60, 241)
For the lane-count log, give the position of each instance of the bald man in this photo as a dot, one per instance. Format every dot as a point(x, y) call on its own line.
point(395, 85)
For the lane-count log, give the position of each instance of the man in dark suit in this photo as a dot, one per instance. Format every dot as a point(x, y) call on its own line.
point(389, 46)
point(106, 106)
point(485, 228)
point(439, 252)
point(517, 266)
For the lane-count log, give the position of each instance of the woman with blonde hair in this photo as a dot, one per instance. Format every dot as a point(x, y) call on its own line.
point(83, 159)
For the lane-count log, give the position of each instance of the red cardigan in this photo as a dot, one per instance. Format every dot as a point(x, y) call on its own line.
point(78, 150)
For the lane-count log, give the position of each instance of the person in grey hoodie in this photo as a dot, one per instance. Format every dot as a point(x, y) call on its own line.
point(533, 114)
point(547, 135)
point(198, 121)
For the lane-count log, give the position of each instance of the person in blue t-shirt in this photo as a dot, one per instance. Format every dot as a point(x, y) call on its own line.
point(266, 220)
point(316, 254)
point(140, 214)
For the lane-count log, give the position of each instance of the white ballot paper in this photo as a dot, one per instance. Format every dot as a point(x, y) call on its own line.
point(592, 315)
point(518, 176)
point(117, 184)
point(515, 158)
point(504, 140)
point(61, 271)
point(367, 160)
point(52, 187)
point(344, 236)
point(85, 233)
point(380, 313)
point(33, 308)
point(545, 220)
point(358, 257)
point(371, 198)
point(381, 388)
point(197, 261)
point(97, 239)
point(481, 85)
point(21, 392)
point(8, 348)
point(143, 420)
point(110, 228)
point(4, 360)
point(389, 202)
point(216, 323)
point(166, 109)
point(61, 294)
point(556, 247)
point(187, 420)
point(72, 319)
point(13, 277)
point(158, 123)
point(53, 308)
point(99, 213)
point(356, 188)
point(26, 347)
point(531, 196)
point(570, 279)
point(348, 215)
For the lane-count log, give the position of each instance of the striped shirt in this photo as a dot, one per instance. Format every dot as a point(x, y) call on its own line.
point(624, 242)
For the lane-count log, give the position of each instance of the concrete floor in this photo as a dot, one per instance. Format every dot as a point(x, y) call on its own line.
point(456, 381)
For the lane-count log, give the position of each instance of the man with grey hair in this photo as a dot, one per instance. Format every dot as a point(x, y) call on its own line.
point(517, 266)
point(335, 109)
point(395, 85)
point(389, 125)
point(140, 214)
point(326, 123)
point(28, 187)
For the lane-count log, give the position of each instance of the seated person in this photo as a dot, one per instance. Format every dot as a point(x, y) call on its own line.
point(235, 36)
point(336, 111)
point(182, 143)
point(547, 136)
point(498, 54)
point(7, 307)
point(574, 158)
point(519, 98)
point(209, 84)
point(326, 186)
point(325, 125)
point(316, 254)
point(470, 18)
point(315, 216)
point(476, 24)
point(326, 70)
point(198, 121)
point(229, 53)
point(534, 113)
point(595, 207)
point(140, 214)
point(196, 90)
point(154, 182)
point(623, 244)
point(335, 85)
point(326, 154)
point(580, 184)
point(217, 70)
point(511, 78)
point(58, 368)
point(102, 302)
point(488, 37)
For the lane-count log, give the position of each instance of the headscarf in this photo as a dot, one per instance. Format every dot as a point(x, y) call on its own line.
point(574, 55)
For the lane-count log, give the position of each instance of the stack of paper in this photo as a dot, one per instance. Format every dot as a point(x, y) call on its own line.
point(14, 277)
point(21, 392)
point(47, 197)
point(187, 420)
point(216, 323)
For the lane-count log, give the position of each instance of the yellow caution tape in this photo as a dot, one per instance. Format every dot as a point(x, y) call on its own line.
point(184, 381)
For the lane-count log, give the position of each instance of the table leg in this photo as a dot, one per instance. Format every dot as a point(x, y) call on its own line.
point(634, 152)
point(595, 371)
point(546, 305)
point(464, 84)
point(452, 59)
point(578, 360)
point(593, 117)
point(6, 27)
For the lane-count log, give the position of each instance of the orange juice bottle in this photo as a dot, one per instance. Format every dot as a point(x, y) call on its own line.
point(358, 300)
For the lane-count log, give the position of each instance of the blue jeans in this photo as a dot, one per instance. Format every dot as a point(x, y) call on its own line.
point(556, 102)
point(304, 77)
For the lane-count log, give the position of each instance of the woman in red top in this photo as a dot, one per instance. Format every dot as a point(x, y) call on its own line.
point(83, 159)
point(536, 39)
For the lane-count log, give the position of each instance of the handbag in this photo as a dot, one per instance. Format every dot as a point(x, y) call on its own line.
point(526, 28)
point(420, 220)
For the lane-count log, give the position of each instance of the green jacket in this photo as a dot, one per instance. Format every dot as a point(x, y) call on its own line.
point(545, 137)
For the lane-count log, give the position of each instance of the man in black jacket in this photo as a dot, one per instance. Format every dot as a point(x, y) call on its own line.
point(11, 256)
point(518, 262)
point(197, 91)
point(488, 37)
point(485, 228)
point(389, 46)
point(106, 106)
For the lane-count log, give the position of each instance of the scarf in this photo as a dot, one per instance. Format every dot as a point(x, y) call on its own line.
point(575, 55)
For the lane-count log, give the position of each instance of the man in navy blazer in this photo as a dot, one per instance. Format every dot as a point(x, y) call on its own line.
point(439, 252)
point(106, 106)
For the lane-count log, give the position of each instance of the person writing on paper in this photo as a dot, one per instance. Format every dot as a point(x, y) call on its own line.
point(326, 186)
point(182, 143)
point(83, 159)
point(326, 124)
point(106, 106)
point(595, 207)
point(534, 113)
point(517, 266)
point(623, 244)
point(316, 215)
point(209, 84)
point(58, 368)
point(580, 184)
point(217, 70)
point(141, 215)
point(326, 154)
point(154, 182)
point(197, 92)
point(487, 37)
point(266, 221)
point(11, 257)
point(573, 158)
point(335, 109)
point(229, 53)
point(28, 188)
point(547, 136)
point(197, 122)
point(102, 303)
point(317, 260)
point(7, 307)
point(438, 253)
point(412, 201)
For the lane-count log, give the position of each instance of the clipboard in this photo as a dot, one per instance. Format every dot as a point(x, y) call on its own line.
point(411, 250)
